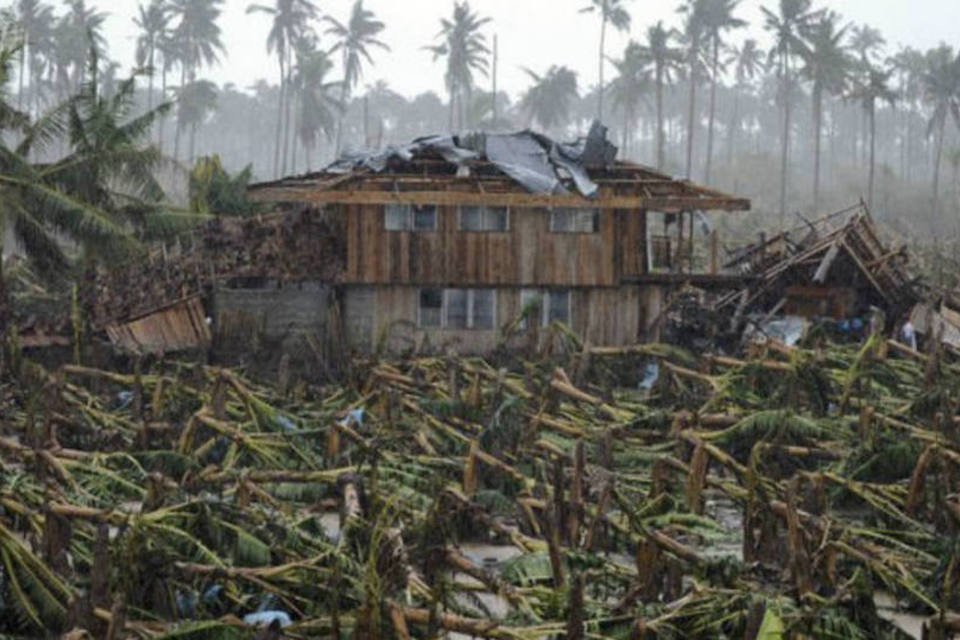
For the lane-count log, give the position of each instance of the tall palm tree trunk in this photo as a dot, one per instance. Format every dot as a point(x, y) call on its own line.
point(691, 108)
point(191, 158)
point(938, 155)
point(161, 121)
point(453, 93)
point(179, 124)
point(715, 62)
point(23, 64)
point(279, 127)
point(734, 127)
point(785, 141)
point(603, 44)
point(150, 83)
point(660, 140)
point(872, 117)
point(343, 114)
point(817, 128)
point(287, 118)
point(293, 132)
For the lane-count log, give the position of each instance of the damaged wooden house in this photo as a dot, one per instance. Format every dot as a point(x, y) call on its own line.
point(444, 242)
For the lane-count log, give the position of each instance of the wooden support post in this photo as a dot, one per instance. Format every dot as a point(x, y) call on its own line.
point(714, 267)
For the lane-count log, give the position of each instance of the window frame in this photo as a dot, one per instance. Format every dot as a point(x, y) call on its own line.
point(471, 320)
point(568, 307)
point(420, 308)
point(546, 301)
point(408, 217)
point(485, 212)
point(593, 212)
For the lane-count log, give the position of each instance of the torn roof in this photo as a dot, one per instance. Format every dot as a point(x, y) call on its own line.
point(517, 169)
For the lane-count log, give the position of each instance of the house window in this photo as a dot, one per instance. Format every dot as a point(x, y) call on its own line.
point(431, 307)
point(405, 217)
point(395, 217)
point(482, 308)
point(424, 217)
point(661, 256)
point(457, 308)
point(552, 306)
point(563, 220)
point(484, 219)
point(531, 308)
point(558, 306)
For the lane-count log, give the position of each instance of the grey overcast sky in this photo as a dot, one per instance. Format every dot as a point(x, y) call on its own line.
point(532, 33)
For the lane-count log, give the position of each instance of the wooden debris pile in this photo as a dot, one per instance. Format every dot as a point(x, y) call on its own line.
point(837, 266)
point(285, 247)
point(772, 496)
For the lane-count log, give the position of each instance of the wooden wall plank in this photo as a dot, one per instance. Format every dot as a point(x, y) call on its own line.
point(527, 255)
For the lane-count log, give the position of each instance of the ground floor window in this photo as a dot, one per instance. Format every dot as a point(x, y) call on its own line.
point(547, 305)
point(457, 308)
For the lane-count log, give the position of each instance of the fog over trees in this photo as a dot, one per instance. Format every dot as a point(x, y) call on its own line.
point(829, 114)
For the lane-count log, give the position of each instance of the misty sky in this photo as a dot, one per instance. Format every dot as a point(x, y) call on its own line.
point(532, 33)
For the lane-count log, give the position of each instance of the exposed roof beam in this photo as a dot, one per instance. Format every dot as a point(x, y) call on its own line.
point(669, 203)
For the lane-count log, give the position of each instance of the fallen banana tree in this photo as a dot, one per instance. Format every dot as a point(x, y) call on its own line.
point(766, 496)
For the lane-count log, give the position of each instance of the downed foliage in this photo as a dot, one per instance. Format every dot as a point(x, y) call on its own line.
point(771, 497)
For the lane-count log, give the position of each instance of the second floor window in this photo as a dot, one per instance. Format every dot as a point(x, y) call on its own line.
point(406, 217)
point(484, 218)
point(457, 308)
point(563, 220)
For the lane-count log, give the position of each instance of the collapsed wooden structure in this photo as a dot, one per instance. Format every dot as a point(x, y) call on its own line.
point(835, 267)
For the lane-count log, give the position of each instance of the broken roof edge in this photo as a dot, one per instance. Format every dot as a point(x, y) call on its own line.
point(551, 174)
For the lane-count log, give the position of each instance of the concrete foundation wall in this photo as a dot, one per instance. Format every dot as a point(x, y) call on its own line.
point(271, 312)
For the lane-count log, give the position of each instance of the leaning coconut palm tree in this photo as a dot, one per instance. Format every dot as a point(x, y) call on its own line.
point(549, 100)
point(827, 65)
point(659, 52)
point(718, 18)
point(465, 49)
point(291, 20)
point(611, 12)
point(354, 41)
point(787, 25)
point(941, 84)
point(629, 88)
point(868, 91)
